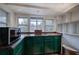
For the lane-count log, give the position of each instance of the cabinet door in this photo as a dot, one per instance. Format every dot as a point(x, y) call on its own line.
point(18, 50)
point(28, 45)
point(38, 45)
point(49, 44)
point(52, 44)
point(57, 43)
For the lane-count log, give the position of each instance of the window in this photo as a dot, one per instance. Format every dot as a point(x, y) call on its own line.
point(32, 25)
point(59, 28)
point(72, 28)
point(40, 25)
point(36, 24)
point(48, 25)
point(3, 18)
point(76, 27)
point(23, 24)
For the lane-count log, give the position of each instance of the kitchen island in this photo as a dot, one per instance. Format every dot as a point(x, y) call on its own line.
point(34, 45)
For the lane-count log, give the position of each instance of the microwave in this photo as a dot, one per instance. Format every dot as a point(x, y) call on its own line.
point(9, 35)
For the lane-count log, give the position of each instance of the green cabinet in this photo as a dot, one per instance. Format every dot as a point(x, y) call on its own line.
point(49, 44)
point(9, 50)
point(5, 51)
point(34, 45)
point(42, 44)
point(38, 45)
point(52, 44)
point(58, 44)
point(18, 50)
point(28, 45)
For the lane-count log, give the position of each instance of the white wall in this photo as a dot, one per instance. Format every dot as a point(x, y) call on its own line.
point(68, 19)
point(75, 14)
point(12, 20)
point(11, 16)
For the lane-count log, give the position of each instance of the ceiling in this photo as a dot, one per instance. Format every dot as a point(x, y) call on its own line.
point(40, 8)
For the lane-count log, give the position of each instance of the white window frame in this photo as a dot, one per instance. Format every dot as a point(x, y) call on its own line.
point(25, 25)
point(6, 15)
point(48, 25)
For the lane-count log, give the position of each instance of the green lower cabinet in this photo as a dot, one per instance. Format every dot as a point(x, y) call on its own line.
point(18, 50)
point(58, 44)
point(4, 52)
point(28, 45)
point(49, 44)
point(38, 45)
point(53, 44)
point(35, 45)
